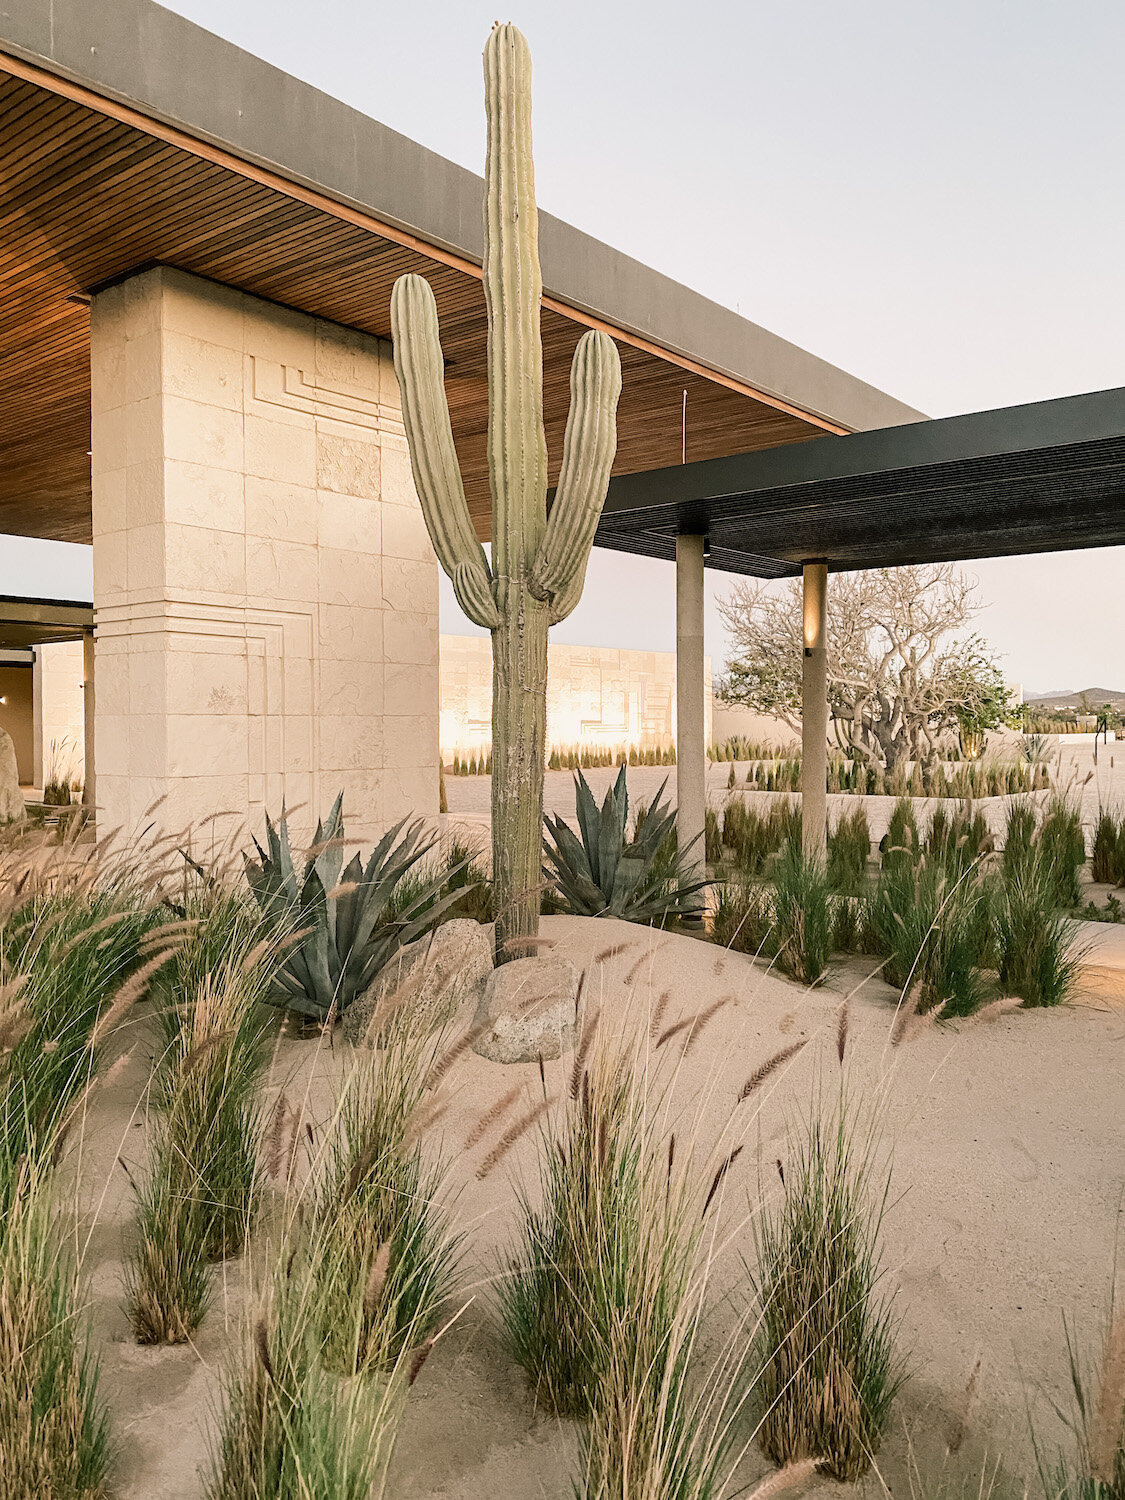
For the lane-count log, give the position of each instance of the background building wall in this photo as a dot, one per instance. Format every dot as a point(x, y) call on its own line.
point(60, 741)
point(596, 695)
point(265, 592)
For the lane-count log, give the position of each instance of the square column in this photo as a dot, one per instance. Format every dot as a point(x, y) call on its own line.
point(691, 750)
point(814, 714)
point(265, 591)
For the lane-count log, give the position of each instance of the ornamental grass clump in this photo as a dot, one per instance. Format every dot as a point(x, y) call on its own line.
point(605, 1254)
point(1019, 836)
point(824, 1356)
point(387, 1258)
point(1063, 846)
point(289, 1428)
point(1038, 957)
point(1107, 857)
point(900, 845)
point(802, 928)
point(67, 957)
point(54, 1434)
point(849, 848)
point(960, 840)
point(742, 917)
point(932, 927)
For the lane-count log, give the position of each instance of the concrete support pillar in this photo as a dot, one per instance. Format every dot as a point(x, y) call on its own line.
point(265, 590)
point(814, 713)
point(691, 749)
point(89, 785)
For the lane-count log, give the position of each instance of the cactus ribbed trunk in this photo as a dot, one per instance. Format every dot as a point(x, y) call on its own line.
point(538, 564)
point(517, 466)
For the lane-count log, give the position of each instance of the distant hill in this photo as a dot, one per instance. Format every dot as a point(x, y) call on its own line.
point(1096, 697)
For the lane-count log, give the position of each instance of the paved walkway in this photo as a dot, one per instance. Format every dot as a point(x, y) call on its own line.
point(1103, 967)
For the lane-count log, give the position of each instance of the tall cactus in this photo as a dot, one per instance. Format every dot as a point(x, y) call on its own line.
point(538, 560)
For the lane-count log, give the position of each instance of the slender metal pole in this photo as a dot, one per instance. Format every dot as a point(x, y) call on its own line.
point(691, 763)
point(814, 713)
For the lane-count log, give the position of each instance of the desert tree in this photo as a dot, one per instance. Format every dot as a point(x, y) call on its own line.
point(904, 669)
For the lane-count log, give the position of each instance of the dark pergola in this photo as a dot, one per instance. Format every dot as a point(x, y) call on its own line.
point(1044, 477)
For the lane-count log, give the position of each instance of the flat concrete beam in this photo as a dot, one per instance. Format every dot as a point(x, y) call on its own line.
point(814, 714)
point(691, 751)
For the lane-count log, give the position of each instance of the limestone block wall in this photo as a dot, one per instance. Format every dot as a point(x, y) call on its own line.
point(596, 695)
point(59, 726)
point(265, 591)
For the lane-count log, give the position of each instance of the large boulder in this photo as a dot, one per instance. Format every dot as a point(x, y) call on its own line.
point(429, 981)
point(528, 1011)
point(12, 805)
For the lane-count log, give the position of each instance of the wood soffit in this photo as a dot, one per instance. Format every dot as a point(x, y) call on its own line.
point(92, 191)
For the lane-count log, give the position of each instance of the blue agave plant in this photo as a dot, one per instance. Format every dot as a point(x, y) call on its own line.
point(352, 920)
point(602, 874)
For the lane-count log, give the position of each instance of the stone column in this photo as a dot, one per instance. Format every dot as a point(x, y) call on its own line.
point(814, 714)
point(691, 764)
point(264, 588)
point(89, 785)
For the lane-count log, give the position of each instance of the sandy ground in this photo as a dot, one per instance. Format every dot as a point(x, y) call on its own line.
point(1073, 769)
point(1008, 1144)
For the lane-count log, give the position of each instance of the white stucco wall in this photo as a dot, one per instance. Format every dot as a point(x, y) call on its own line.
point(596, 695)
point(59, 716)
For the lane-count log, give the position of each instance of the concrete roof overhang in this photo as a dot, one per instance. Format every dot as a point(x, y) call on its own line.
point(39, 622)
point(130, 136)
point(1043, 477)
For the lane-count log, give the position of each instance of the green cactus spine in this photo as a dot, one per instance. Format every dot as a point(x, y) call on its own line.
point(538, 560)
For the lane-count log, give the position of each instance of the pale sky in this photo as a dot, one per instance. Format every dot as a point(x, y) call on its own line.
point(925, 192)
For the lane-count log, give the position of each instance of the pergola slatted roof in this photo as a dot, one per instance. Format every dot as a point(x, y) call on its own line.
point(1043, 477)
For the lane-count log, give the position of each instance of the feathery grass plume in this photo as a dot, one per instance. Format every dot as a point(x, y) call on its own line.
point(1038, 957)
point(704, 1019)
point(1094, 1466)
point(491, 1117)
point(824, 1353)
point(54, 1434)
point(289, 1428)
point(513, 1133)
point(785, 1480)
point(605, 1247)
point(771, 1064)
point(958, 1427)
point(842, 1019)
point(379, 1189)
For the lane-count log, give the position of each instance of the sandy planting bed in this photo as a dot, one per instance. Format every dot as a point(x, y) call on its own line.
point(1008, 1142)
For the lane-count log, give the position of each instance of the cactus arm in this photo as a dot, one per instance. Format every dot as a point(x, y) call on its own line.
point(559, 570)
point(513, 289)
point(433, 458)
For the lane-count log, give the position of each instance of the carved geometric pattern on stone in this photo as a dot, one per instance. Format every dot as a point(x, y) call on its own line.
point(294, 389)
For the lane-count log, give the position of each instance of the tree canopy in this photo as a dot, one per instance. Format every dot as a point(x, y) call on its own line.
point(904, 671)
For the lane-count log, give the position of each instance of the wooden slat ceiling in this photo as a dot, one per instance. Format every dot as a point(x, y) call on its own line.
point(86, 197)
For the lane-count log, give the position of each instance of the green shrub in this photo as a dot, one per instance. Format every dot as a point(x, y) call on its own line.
point(824, 1354)
point(712, 837)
